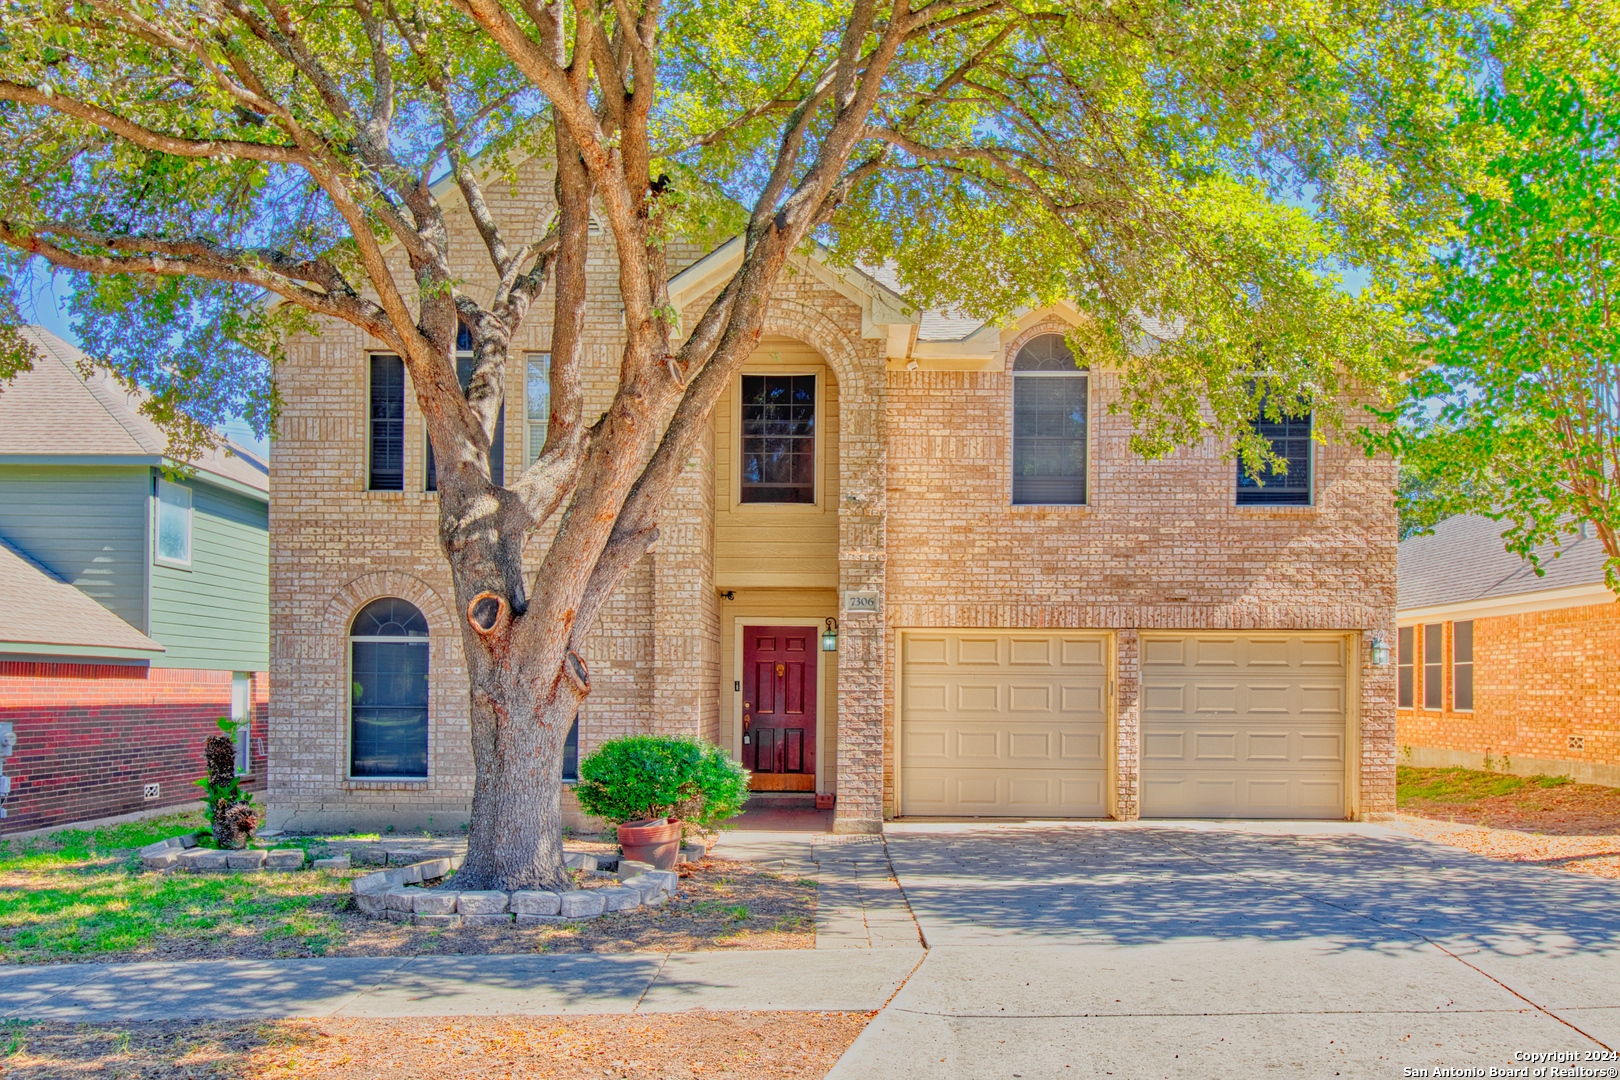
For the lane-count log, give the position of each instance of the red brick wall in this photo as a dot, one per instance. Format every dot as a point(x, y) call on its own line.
point(1539, 678)
point(90, 737)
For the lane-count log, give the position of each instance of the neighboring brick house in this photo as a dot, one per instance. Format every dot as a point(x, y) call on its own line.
point(134, 602)
point(1500, 668)
point(1031, 620)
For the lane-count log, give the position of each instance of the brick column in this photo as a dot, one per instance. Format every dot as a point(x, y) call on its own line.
point(863, 646)
point(1127, 726)
point(686, 623)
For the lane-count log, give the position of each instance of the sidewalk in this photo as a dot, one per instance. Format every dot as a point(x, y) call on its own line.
point(779, 980)
point(867, 945)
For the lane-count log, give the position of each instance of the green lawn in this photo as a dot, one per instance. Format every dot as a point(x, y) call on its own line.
point(1463, 785)
point(84, 895)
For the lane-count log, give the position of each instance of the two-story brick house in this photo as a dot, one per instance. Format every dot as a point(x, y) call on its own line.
point(1029, 619)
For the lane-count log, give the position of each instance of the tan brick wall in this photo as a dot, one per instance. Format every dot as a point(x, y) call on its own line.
point(1161, 545)
point(1539, 679)
point(924, 522)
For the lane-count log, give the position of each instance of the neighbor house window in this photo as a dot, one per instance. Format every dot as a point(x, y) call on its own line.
point(1432, 646)
point(387, 471)
point(465, 363)
point(1462, 666)
point(388, 691)
point(1050, 405)
point(1405, 654)
point(778, 439)
point(1290, 439)
point(173, 524)
point(537, 403)
point(242, 715)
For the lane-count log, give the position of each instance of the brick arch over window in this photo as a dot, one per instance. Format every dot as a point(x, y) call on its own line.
point(1051, 324)
point(447, 681)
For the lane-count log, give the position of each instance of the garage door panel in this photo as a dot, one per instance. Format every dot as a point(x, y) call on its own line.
point(1162, 698)
point(1030, 698)
point(1084, 652)
point(1215, 746)
point(1324, 747)
point(1321, 700)
point(1008, 724)
point(1215, 699)
point(1214, 652)
point(1267, 739)
point(993, 793)
point(971, 699)
point(1321, 653)
point(1164, 745)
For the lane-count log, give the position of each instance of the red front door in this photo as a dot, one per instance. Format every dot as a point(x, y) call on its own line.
point(779, 707)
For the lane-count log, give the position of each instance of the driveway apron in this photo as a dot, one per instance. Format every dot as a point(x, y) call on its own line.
point(1199, 950)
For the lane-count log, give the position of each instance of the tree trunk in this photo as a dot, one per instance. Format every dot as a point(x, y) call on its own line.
point(515, 841)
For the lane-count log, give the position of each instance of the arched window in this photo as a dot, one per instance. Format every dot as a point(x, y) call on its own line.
point(388, 690)
point(1050, 404)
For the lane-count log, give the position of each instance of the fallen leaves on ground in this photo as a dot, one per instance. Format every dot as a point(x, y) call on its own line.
point(1566, 809)
point(677, 1046)
point(1595, 855)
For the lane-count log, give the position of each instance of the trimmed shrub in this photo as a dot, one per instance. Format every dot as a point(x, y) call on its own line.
point(641, 777)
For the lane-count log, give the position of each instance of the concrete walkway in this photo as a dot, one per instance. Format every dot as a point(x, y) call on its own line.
point(859, 904)
point(782, 979)
point(1201, 949)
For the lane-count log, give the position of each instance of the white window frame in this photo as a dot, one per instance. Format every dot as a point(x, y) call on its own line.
point(242, 714)
point(348, 709)
point(1012, 431)
point(1470, 664)
point(159, 489)
point(533, 441)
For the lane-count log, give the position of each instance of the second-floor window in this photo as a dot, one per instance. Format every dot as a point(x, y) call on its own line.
point(173, 524)
point(778, 439)
point(1462, 666)
point(1050, 419)
point(1290, 438)
point(465, 363)
point(387, 466)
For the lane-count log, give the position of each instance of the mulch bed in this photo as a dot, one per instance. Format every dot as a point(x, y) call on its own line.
point(1595, 855)
point(675, 1046)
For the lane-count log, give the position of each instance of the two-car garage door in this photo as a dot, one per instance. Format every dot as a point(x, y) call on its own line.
point(1014, 724)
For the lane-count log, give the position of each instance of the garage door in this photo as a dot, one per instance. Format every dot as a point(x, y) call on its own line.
point(1243, 725)
point(1004, 724)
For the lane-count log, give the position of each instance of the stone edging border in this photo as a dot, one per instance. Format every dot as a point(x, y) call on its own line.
point(182, 853)
point(387, 894)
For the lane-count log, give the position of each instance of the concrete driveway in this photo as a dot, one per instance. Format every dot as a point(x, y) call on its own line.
point(1204, 950)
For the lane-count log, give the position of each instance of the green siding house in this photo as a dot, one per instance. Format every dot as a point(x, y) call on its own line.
point(176, 552)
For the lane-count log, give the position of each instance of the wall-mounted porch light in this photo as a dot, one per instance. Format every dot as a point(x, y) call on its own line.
point(1380, 651)
point(829, 636)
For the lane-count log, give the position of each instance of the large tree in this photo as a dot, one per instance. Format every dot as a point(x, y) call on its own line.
point(1515, 412)
point(1194, 175)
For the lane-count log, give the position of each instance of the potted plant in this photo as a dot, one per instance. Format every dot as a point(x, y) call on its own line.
point(650, 786)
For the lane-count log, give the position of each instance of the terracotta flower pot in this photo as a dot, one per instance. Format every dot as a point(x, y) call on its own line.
point(657, 842)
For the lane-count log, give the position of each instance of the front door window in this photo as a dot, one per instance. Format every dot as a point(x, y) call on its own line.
point(779, 707)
